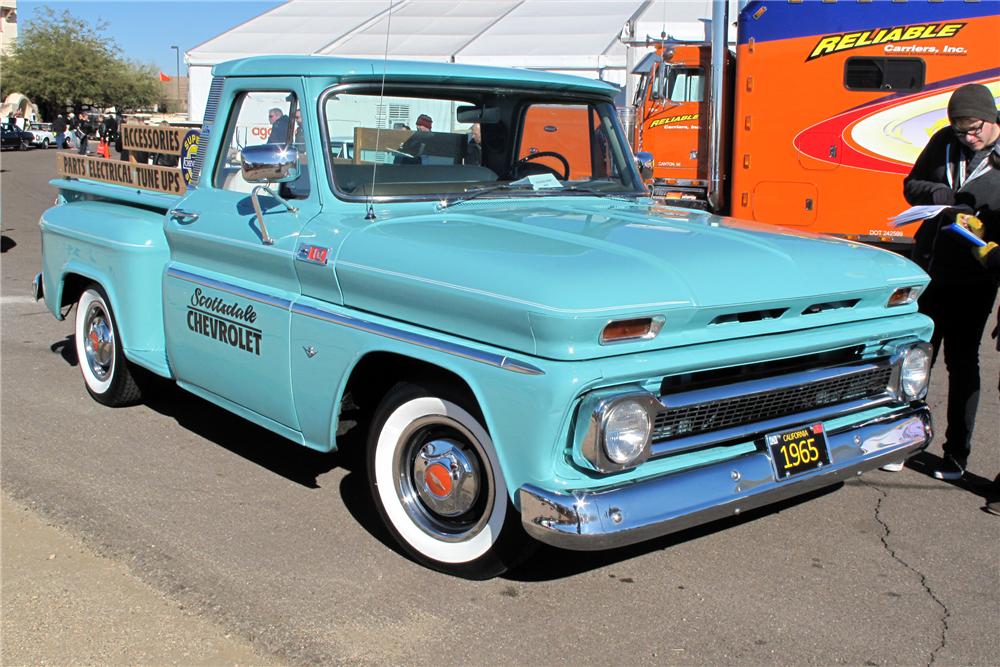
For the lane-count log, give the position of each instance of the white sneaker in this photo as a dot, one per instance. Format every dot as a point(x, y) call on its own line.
point(893, 467)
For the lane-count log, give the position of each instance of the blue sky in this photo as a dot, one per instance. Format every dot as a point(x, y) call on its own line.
point(145, 29)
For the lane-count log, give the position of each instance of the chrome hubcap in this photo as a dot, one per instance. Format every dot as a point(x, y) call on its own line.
point(100, 343)
point(447, 480)
point(441, 480)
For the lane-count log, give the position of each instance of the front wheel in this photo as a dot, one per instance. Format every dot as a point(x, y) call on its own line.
point(106, 372)
point(438, 486)
point(45, 142)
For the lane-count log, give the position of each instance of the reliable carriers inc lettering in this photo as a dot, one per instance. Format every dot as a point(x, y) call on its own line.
point(908, 33)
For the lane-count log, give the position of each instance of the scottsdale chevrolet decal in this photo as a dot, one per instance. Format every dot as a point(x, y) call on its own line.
point(227, 323)
point(673, 119)
point(907, 33)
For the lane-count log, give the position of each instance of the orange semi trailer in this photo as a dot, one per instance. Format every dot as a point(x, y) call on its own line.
point(820, 113)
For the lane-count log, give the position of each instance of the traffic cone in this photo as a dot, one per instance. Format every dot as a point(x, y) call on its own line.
point(104, 150)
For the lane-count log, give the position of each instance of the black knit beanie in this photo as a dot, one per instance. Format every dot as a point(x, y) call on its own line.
point(973, 100)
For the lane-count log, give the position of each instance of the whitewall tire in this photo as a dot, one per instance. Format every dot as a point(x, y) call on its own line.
point(438, 485)
point(106, 372)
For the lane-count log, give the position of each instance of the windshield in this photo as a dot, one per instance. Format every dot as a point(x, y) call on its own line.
point(423, 144)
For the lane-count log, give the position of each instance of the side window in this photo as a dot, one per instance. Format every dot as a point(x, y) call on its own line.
point(685, 84)
point(884, 74)
point(261, 117)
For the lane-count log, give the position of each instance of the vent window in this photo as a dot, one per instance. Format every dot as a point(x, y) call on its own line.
point(884, 74)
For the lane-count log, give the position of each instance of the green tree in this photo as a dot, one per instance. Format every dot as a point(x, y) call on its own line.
point(62, 61)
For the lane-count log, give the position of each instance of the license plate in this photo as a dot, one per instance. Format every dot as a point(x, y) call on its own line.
point(798, 450)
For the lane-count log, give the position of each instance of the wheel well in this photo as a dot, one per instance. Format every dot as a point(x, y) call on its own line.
point(73, 286)
point(371, 380)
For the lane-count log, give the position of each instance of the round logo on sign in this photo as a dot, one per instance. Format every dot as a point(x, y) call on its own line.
point(189, 151)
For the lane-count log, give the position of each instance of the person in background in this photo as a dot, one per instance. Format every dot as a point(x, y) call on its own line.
point(299, 137)
point(424, 123)
point(122, 153)
point(83, 131)
point(165, 159)
point(72, 123)
point(279, 126)
point(958, 168)
point(989, 256)
point(474, 147)
point(111, 130)
point(59, 129)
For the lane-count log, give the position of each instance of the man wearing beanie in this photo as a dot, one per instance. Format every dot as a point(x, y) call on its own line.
point(959, 168)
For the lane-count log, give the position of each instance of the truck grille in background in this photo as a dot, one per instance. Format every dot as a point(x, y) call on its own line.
point(211, 109)
point(741, 410)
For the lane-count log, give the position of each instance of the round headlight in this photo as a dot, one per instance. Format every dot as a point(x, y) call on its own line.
point(915, 372)
point(626, 430)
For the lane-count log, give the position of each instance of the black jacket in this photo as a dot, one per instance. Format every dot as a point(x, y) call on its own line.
point(59, 125)
point(934, 179)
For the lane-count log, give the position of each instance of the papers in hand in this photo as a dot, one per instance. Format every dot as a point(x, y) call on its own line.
point(915, 214)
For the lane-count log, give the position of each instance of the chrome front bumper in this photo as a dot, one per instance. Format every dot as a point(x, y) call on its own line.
point(638, 511)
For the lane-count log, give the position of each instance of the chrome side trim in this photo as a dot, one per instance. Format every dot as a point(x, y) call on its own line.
point(635, 511)
point(253, 295)
point(488, 358)
point(465, 352)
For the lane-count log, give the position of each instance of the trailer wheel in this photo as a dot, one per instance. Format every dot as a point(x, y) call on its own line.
point(105, 370)
point(438, 486)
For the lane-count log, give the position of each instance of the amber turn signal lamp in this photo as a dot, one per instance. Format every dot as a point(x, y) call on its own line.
point(903, 296)
point(622, 330)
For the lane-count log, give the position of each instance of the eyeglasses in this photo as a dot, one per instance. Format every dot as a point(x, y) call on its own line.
point(974, 130)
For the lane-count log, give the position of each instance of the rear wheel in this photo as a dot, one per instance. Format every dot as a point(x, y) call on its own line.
point(45, 142)
point(438, 486)
point(105, 370)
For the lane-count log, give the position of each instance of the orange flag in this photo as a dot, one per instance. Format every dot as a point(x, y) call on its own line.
point(164, 77)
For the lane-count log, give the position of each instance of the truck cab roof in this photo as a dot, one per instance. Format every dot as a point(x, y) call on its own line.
point(364, 69)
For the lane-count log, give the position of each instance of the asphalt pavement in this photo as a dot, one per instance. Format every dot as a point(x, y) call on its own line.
point(279, 548)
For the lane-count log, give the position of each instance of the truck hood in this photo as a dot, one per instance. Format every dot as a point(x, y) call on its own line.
point(544, 277)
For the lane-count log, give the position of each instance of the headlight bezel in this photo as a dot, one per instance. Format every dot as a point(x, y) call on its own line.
point(597, 411)
point(920, 353)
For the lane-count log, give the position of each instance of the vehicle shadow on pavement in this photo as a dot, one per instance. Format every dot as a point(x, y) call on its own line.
point(66, 348)
point(241, 437)
point(550, 563)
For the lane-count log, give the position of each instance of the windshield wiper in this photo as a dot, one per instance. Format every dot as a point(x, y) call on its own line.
point(599, 193)
point(475, 192)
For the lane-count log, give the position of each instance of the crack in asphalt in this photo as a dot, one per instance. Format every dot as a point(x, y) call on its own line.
point(923, 578)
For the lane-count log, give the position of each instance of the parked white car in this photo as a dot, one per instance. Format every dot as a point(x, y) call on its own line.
point(44, 136)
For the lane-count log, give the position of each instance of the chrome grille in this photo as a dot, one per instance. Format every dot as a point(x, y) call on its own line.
point(757, 407)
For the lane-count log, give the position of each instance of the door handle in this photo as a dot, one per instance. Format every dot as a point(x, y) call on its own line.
point(182, 216)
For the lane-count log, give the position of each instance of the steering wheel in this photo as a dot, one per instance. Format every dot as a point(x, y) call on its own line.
point(519, 165)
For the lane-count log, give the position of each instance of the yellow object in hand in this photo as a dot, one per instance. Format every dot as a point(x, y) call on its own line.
point(982, 251)
point(970, 222)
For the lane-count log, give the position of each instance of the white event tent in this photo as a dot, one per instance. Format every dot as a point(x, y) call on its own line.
point(570, 36)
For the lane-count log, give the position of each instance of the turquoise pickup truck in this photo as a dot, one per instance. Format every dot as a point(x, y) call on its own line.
point(456, 273)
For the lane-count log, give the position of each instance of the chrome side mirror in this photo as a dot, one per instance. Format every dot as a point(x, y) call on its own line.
point(644, 161)
point(270, 163)
point(267, 164)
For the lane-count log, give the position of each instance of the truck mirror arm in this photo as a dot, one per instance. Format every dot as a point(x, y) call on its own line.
point(265, 237)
